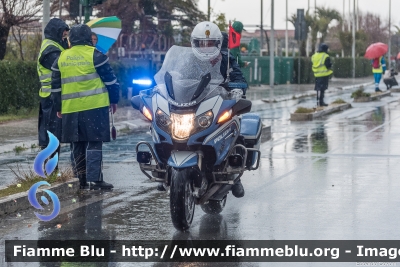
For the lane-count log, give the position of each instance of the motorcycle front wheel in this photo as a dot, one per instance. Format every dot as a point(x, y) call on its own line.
point(182, 202)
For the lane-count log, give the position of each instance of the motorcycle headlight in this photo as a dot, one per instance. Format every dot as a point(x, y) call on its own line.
point(163, 120)
point(204, 120)
point(182, 125)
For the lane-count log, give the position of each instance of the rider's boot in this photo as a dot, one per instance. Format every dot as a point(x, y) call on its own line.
point(160, 186)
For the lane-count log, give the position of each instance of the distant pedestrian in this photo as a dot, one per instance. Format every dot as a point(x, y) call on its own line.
point(321, 66)
point(94, 39)
point(143, 50)
point(55, 34)
point(378, 68)
point(88, 89)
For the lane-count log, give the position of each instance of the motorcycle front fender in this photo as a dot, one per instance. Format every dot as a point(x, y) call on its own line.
point(183, 159)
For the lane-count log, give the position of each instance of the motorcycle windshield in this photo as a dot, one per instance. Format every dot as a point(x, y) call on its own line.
point(184, 80)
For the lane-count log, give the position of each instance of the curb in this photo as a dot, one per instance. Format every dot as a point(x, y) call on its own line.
point(310, 93)
point(395, 90)
point(317, 114)
point(19, 201)
point(313, 93)
point(355, 86)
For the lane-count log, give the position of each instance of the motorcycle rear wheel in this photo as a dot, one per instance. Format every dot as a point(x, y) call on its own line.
point(214, 207)
point(182, 202)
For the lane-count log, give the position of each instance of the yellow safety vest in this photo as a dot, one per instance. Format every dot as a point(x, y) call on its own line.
point(45, 74)
point(81, 86)
point(318, 65)
point(380, 69)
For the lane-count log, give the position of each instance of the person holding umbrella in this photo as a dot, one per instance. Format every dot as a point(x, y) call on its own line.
point(375, 52)
point(378, 68)
point(85, 88)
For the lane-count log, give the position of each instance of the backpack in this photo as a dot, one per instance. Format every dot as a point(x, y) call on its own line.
point(375, 63)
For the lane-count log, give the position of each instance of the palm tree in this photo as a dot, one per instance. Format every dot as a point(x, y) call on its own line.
point(325, 17)
point(319, 23)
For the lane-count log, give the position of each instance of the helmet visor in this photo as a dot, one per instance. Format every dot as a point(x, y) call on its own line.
point(207, 47)
point(204, 43)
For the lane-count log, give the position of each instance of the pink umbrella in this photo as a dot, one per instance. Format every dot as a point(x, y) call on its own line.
point(376, 50)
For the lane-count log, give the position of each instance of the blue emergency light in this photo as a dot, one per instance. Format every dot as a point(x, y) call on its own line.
point(145, 82)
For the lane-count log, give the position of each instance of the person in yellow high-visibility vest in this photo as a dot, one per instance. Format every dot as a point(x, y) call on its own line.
point(55, 34)
point(321, 66)
point(378, 68)
point(84, 89)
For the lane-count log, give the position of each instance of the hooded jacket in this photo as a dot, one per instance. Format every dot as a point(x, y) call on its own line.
point(54, 31)
point(324, 48)
point(89, 125)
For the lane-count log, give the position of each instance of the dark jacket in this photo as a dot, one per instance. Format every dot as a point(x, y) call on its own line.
point(236, 74)
point(53, 31)
point(89, 125)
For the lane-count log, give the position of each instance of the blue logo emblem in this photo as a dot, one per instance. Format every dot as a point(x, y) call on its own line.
point(35, 203)
point(49, 167)
point(44, 154)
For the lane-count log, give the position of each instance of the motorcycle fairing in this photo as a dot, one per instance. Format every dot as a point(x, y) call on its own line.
point(223, 138)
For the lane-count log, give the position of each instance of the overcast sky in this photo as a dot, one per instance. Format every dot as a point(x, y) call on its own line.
point(248, 11)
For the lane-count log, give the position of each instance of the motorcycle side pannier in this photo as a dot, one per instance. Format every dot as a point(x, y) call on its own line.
point(251, 131)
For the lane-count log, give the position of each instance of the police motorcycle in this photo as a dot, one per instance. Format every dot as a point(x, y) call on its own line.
point(201, 144)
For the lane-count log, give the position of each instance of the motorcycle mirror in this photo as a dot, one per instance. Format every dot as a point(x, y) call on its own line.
point(241, 107)
point(135, 101)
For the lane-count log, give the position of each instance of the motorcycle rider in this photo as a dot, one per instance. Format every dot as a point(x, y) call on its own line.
point(209, 44)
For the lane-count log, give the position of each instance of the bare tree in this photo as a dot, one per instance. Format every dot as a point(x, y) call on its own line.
point(15, 13)
point(19, 35)
point(28, 39)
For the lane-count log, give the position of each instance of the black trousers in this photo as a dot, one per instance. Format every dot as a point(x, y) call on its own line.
point(88, 160)
point(48, 121)
point(321, 84)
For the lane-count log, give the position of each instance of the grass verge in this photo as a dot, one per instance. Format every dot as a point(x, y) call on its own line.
point(24, 179)
point(339, 101)
point(19, 149)
point(304, 110)
point(18, 114)
point(360, 93)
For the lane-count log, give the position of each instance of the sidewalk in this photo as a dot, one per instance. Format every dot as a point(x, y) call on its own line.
point(289, 91)
point(24, 132)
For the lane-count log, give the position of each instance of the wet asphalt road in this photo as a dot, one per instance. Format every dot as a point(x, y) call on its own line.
point(330, 179)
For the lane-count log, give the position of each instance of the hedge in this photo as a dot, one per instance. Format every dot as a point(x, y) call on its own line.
point(342, 67)
point(19, 83)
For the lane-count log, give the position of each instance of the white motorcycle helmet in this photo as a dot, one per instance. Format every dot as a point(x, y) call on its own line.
point(206, 40)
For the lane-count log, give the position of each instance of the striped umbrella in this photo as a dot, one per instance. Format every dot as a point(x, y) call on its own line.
point(107, 30)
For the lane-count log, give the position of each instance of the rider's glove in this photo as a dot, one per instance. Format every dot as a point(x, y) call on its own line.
point(237, 93)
